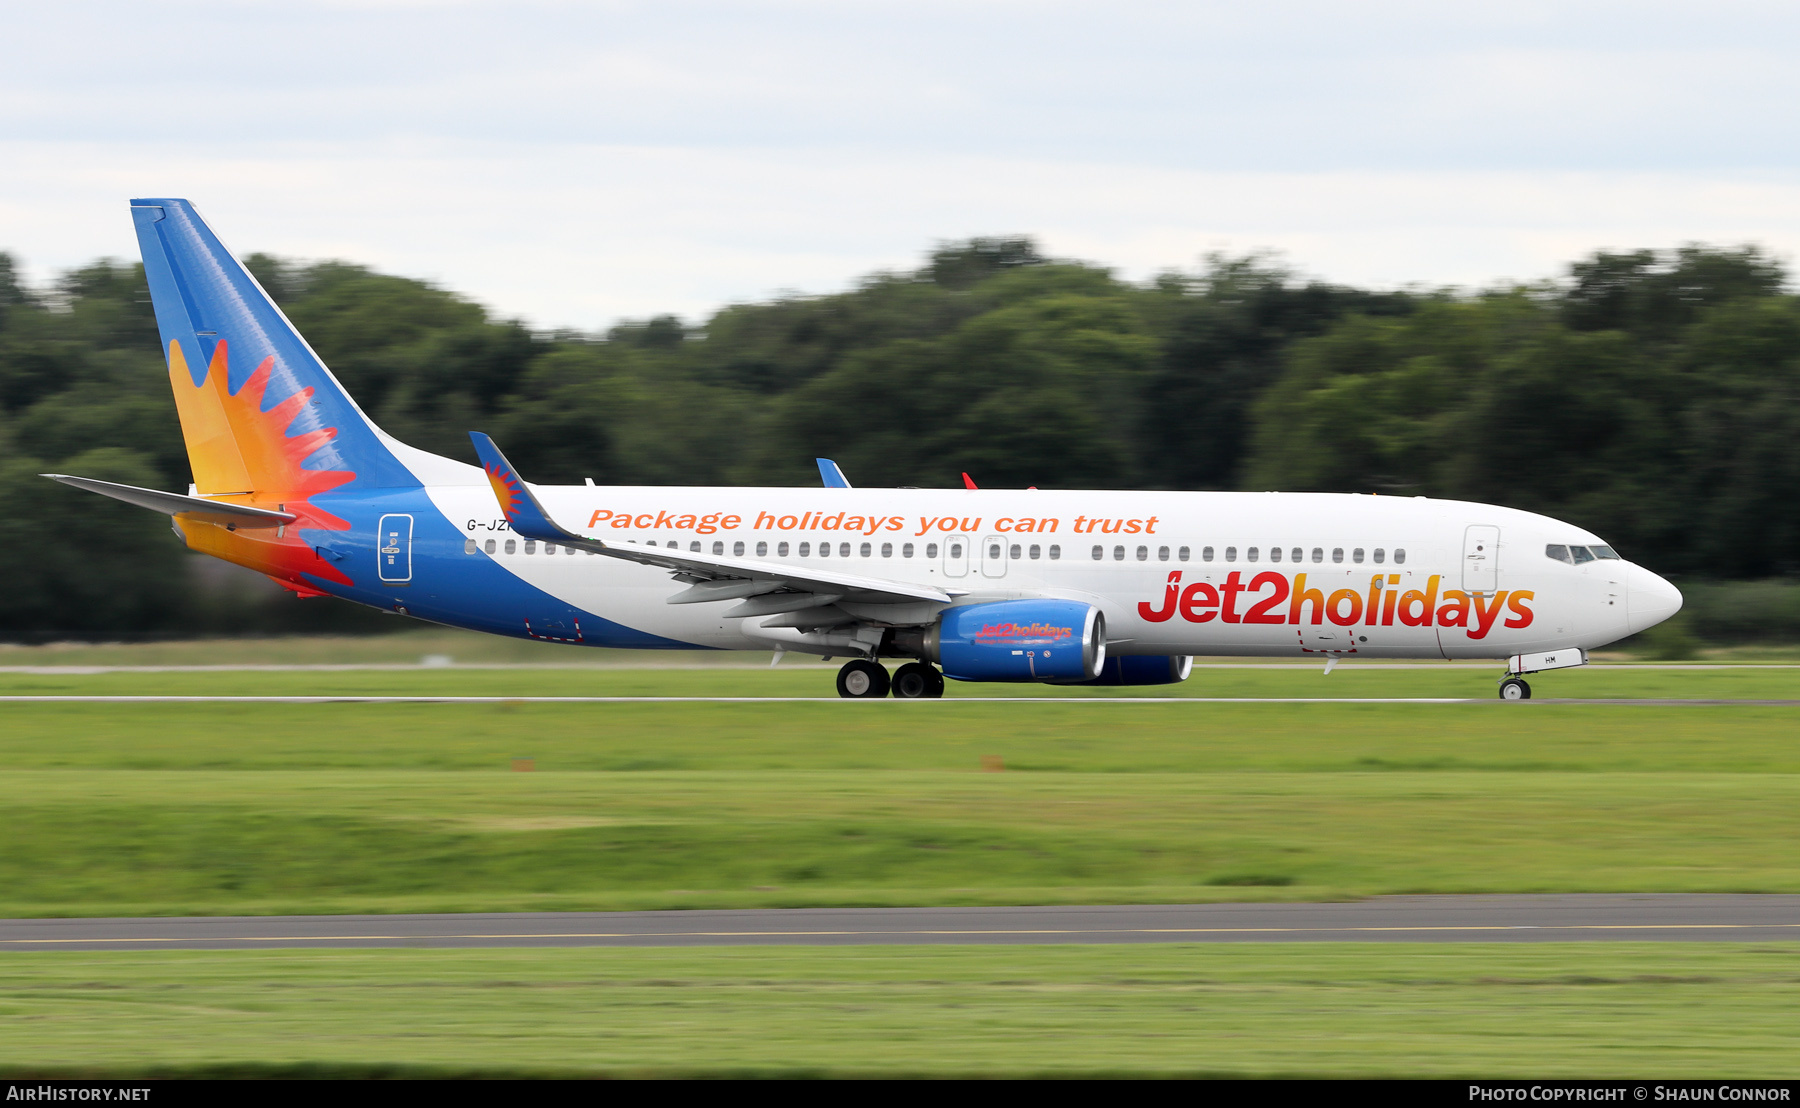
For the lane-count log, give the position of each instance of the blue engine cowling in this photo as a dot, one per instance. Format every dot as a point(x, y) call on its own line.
point(1141, 669)
point(1020, 640)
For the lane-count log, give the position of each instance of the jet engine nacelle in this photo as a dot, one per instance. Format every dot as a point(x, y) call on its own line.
point(1141, 669)
point(1019, 640)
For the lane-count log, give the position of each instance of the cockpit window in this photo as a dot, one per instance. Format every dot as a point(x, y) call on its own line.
point(1558, 553)
point(1604, 552)
point(1582, 554)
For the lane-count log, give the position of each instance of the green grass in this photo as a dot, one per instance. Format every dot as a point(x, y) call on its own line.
point(1419, 1010)
point(225, 808)
point(115, 809)
point(814, 680)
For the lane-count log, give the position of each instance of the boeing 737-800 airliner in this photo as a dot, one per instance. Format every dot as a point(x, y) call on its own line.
point(1065, 587)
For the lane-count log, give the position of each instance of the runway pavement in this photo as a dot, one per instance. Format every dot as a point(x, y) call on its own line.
point(1546, 918)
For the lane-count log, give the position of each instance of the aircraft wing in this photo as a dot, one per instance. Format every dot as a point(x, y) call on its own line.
point(765, 587)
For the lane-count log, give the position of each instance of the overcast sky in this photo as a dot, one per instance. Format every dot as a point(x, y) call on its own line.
point(575, 163)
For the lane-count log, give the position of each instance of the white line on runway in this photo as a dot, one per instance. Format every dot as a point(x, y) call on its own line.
point(935, 932)
point(353, 699)
point(173, 699)
point(605, 667)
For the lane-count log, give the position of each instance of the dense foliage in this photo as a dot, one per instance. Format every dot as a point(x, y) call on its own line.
point(1650, 396)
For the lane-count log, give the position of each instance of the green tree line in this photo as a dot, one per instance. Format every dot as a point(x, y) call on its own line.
point(1649, 396)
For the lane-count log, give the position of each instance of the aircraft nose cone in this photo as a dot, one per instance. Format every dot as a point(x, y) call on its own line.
point(1648, 599)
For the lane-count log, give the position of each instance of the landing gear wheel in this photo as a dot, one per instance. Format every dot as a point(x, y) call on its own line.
point(918, 681)
point(860, 680)
point(1515, 688)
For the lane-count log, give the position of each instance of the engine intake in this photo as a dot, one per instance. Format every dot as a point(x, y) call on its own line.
point(1019, 640)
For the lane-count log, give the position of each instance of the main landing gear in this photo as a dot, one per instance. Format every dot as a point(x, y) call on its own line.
point(918, 681)
point(864, 680)
point(1514, 688)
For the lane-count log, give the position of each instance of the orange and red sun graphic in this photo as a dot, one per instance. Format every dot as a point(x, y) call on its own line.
point(243, 454)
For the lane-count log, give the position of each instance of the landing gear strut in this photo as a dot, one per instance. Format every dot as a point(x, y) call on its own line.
point(918, 681)
point(1515, 688)
point(860, 680)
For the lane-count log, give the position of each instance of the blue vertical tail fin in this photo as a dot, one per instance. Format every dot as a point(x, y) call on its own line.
point(260, 412)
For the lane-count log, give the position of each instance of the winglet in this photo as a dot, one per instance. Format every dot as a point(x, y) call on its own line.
point(830, 473)
point(521, 508)
point(968, 482)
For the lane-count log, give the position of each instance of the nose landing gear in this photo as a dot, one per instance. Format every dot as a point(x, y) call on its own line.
point(1515, 688)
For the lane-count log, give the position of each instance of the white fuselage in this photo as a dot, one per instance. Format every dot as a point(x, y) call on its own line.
point(1177, 573)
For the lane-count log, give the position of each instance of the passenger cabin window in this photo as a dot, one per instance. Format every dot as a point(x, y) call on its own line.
point(866, 550)
point(1206, 553)
point(805, 549)
point(1182, 554)
point(956, 549)
point(1274, 554)
point(1356, 555)
point(1380, 555)
point(931, 550)
point(468, 546)
point(488, 546)
point(762, 550)
point(1143, 554)
point(1582, 554)
point(1337, 554)
point(887, 550)
point(1036, 551)
point(531, 546)
point(1162, 553)
point(737, 550)
point(549, 548)
point(993, 552)
point(843, 550)
point(694, 546)
point(1296, 554)
point(1318, 554)
point(1399, 556)
point(1231, 553)
point(1250, 555)
point(511, 546)
point(1055, 553)
point(1118, 553)
point(781, 551)
point(1015, 552)
point(1099, 553)
point(906, 551)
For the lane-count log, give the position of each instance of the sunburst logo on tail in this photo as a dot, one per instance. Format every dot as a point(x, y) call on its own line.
point(508, 489)
point(244, 454)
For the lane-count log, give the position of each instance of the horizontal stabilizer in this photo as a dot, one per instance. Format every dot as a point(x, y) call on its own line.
point(175, 504)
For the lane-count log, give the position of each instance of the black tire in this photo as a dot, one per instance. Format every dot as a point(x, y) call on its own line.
point(918, 681)
point(860, 680)
point(1515, 688)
